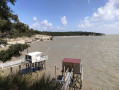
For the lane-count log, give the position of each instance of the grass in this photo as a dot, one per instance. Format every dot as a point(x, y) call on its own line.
point(25, 82)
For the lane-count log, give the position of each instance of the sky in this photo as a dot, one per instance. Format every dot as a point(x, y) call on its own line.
point(69, 15)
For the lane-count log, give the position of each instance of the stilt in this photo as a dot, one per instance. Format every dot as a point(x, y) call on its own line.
point(11, 69)
point(77, 82)
point(33, 67)
point(41, 65)
point(38, 65)
point(19, 68)
point(55, 72)
point(30, 68)
point(26, 68)
point(64, 77)
point(44, 65)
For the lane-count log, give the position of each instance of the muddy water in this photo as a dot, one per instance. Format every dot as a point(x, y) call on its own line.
point(100, 57)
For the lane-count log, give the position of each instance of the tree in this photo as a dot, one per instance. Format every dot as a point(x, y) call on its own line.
point(5, 12)
point(6, 15)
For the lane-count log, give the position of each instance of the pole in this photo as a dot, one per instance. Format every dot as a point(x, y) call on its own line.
point(64, 77)
point(11, 69)
point(55, 74)
point(20, 68)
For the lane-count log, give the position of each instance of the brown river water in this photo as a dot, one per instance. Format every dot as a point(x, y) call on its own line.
point(99, 55)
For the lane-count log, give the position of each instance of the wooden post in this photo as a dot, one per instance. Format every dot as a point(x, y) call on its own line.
point(35, 66)
point(26, 68)
point(64, 77)
point(55, 74)
point(38, 65)
point(62, 70)
point(41, 65)
point(20, 68)
point(11, 69)
point(31, 68)
point(44, 64)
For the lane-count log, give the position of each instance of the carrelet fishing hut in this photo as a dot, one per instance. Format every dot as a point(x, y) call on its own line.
point(72, 74)
point(74, 64)
point(33, 60)
point(36, 57)
point(36, 60)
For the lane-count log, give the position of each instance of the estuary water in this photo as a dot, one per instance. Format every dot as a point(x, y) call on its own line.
point(99, 55)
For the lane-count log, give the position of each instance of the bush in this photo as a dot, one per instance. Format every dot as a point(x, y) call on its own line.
point(3, 42)
point(14, 82)
point(24, 82)
point(12, 51)
point(44, 83)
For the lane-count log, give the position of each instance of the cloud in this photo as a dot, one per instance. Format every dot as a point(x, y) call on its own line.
point(112, 28)
point(105, 19)
point(34, 18)
point(85, 23)
point(63, 20)
point(45, 26)
point(46, 23)
point(109, 12)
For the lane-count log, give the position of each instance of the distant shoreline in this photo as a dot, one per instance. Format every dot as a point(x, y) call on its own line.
point(74, 33)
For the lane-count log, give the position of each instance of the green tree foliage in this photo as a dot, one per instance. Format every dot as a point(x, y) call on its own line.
point(3, 42)
point(21, 29)
point(6, 15)
point(5, 12)
point(11, 29)
point(15, 28)
point(12, 51)
point(78, 33)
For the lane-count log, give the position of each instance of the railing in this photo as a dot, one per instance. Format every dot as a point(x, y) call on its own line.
point(11, 64)
point(19, 62)
point(67, 80)
point(44, 57)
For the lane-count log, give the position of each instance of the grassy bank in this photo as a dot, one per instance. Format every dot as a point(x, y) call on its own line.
point(25, 82)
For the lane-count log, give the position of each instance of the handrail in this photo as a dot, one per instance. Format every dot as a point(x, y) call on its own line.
point(67, 81)
point(18, 62)
point(11, 63)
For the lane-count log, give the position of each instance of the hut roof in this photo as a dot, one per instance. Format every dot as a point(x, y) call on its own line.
point(71, 60)
point(34, 53)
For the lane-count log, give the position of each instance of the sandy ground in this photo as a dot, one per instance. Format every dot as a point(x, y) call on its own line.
point(99, 54)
